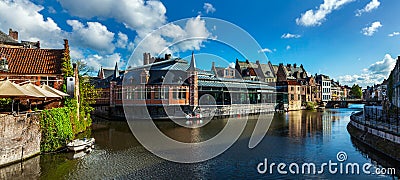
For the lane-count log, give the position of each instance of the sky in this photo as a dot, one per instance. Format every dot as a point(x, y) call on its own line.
point(353, 41)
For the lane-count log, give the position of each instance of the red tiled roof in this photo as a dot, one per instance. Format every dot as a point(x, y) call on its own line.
point(295, 83)
point(33, 61)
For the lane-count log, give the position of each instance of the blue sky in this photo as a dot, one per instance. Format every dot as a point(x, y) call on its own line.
point(354, 41)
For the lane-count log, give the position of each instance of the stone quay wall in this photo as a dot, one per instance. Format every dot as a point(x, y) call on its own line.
point(19, 137)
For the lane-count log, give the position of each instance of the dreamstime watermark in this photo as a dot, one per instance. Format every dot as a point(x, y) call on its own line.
point(331, 167)
point(148, 80)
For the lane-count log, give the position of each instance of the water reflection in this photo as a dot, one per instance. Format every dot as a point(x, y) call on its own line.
point(29, 168)
point(299, 136)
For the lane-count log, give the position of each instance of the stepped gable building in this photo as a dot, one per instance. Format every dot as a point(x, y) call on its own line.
point(23, 61)
point(255, 71)
point(294, 80)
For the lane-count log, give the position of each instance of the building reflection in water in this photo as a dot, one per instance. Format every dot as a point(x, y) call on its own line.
point(310, 124)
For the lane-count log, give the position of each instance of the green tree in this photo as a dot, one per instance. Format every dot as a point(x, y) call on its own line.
point(356, 91)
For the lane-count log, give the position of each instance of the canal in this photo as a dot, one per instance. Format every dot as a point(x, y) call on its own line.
point(294, 137)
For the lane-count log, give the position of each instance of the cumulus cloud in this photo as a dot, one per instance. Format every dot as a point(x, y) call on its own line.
point(288, 47)
point(209, 8)
point(316, 17)
point(288, 36)
point(374, 74)
point(24, 17)
point(95, 61)
point(93, 35)
point(369, 31)
point(374, 4)
point(394, 34)
point(138, 15)
point(173, 38)
point(122, 41)
point(232, 65)
point(265, 50)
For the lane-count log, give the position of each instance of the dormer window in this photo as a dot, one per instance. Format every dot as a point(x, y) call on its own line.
point(3, 64)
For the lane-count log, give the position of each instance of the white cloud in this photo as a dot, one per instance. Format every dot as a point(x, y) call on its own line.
point(24, 17)
point(122, 41)
point(265, 50)
point(374, 4)
point(173, 38)
point(209, 8)
point(369, 31)
point(288, 36)
point(94, 35)
point(51, 10)
point(95, 61)
point(394, 34)
point(139, 15)
point(232, 65)
point(374, 74)
point(131, 46)
point(316, 17)
point(288, 47)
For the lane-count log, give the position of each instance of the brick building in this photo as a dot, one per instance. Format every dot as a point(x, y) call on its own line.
point(26, 61)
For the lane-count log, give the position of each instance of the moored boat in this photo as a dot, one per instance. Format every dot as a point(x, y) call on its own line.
point(80, 144)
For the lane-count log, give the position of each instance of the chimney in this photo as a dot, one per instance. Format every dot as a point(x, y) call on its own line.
point(66, 45)
point(212, 65)
point(295, 65)
point(13, 34)
point(258, 62)
point(289, 65)
point(167, 56)
point(38, 44)
point(146, 58)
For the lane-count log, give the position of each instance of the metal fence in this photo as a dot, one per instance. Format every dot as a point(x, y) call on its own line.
point(379, 118)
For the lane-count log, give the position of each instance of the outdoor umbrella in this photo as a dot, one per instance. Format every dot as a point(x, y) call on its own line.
point(12, 90)
point(41, 93)
point(53, 90)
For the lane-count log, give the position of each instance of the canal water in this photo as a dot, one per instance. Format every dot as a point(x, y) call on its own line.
point(294, 137)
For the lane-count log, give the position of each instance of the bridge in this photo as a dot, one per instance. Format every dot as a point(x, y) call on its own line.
point(345, 103)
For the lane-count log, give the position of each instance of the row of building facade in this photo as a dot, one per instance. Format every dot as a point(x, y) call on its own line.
point(175, 81)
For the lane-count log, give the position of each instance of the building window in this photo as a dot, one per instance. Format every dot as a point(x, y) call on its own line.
point(175, 93)
point(298, 88)
point(165, 93)
point(291, 88)
point(182, 94)
point(298, 97)
point(141, 93)
point(132, 93)
point(148, 93)
point(143, 78)
point(292, 97)
point(157, 93)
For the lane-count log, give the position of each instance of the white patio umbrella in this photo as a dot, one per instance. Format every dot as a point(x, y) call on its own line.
point(11, 90)
point(53, 90)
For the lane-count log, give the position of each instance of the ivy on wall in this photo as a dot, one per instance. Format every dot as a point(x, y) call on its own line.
point(60, 125)
point(56, 128)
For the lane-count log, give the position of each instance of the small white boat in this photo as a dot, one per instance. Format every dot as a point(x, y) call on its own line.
point(80, 144)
